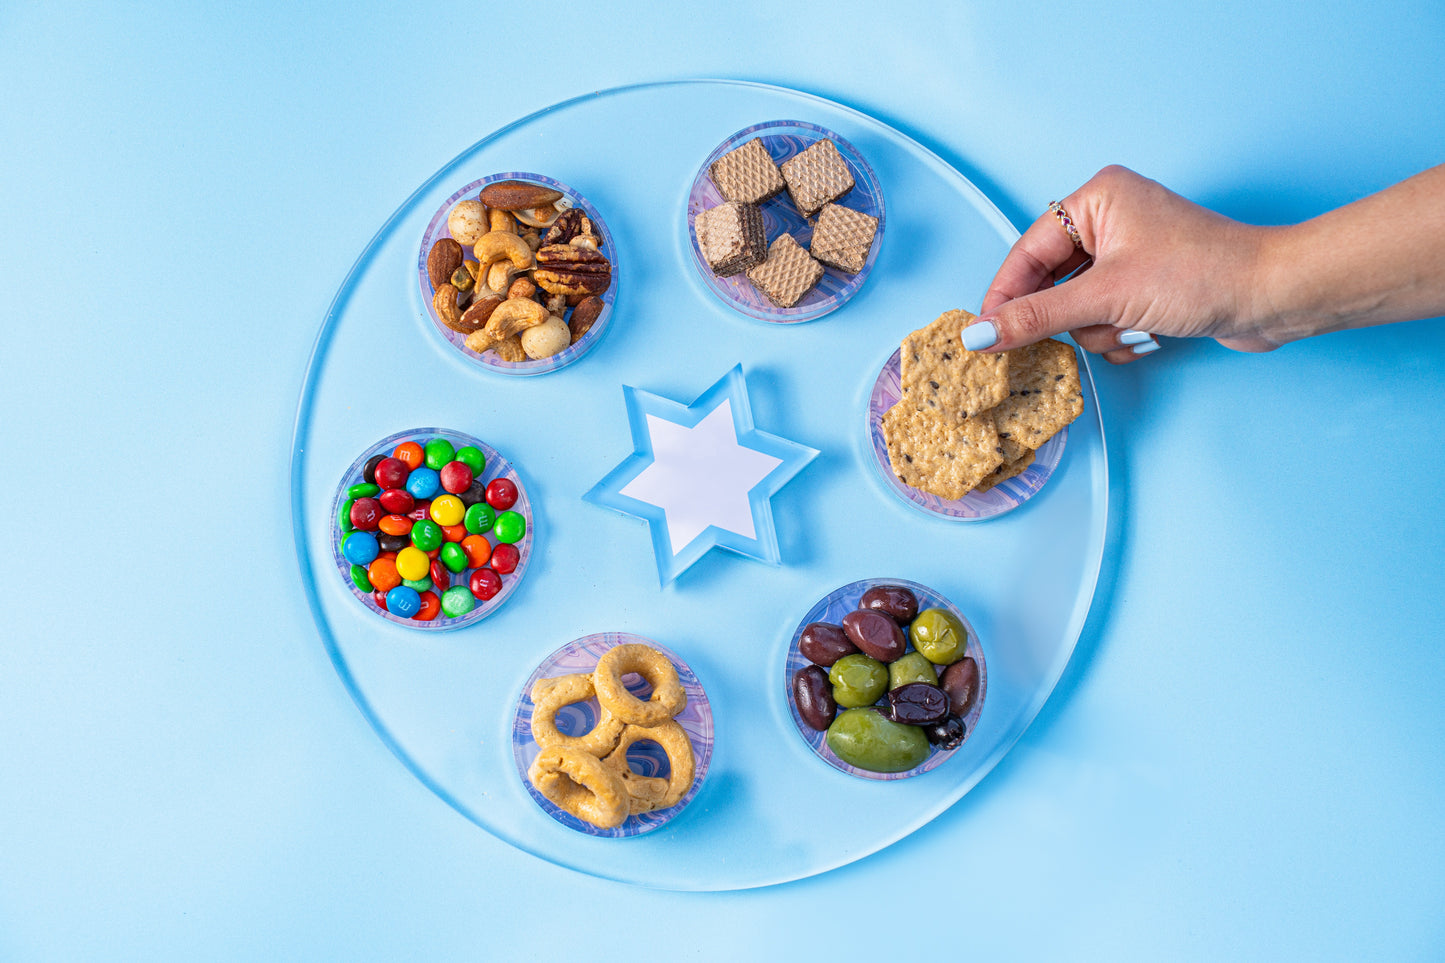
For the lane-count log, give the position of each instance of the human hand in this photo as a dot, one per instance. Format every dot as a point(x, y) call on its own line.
point(1160, 265)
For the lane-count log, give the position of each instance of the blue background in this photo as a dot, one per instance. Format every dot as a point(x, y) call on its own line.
point(1243, 758)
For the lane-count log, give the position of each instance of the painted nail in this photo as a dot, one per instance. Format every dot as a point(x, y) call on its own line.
point(980, 335)
point(1135, 337)
point(1146, 347)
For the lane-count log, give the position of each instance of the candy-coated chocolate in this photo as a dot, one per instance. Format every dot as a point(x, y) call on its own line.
point(447, 510)
point(383, 574)
point(475, 494)
point(426, 535)
point(478, 550)
point(437, 453)
point(420, 511)
point(369, 471)
point(343, 517)
point(485, 584)
point(397, 501)
point(441, 578)
point(379, 597)
point(392, 473)
point(457, 601)
point(454, 533)
point(362, 490)
point(423, 483)
point(365, 514)
point(420, 584)
point(510, 527)
point(359, 578)
point(360, 548)
point(455, 476)
point(403, 602)
point(392, 543)
point(430, 606)
point(472, 457)
point(479, 518)
point(410, 453)
point(505, 558)
point(411, 562)
point(454, 557)
point(395, 524)
point(501, 493)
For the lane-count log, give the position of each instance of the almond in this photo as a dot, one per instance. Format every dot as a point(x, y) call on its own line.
point(444, 258)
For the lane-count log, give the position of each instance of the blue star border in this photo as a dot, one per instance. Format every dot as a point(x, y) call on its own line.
point(731, 387)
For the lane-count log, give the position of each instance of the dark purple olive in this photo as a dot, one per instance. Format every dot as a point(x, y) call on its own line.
point(894, 601)
point(814, 697)
point(946, 734)
point(877, 635)
point(960, 681)
point(917, 704)
point(823, 643)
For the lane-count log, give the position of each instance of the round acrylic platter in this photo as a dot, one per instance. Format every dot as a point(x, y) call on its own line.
point(495, 467)
point(646, 758)
point(831, 608)
point(975, 506)
point(784, 139)
point(437, 228)
point(443, 702)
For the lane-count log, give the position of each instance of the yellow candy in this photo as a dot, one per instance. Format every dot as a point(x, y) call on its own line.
point(447, 510)
point(412, 563)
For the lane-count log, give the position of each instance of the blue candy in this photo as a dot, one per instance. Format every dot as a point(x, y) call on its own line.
point(403, 602)
point(360, 548)
point(423, 482)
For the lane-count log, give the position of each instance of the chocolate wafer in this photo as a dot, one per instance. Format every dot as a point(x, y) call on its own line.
point(747, 174)
point(788, 273)
point(816, 176)
point(843, 237)
point(731, 237)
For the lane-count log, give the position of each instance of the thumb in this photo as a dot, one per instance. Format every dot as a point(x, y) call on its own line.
point(1043, 314)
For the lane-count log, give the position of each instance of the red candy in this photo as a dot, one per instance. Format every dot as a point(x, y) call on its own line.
point(379, 597)
point(485, 584)
point(398, 501)
point(456, 477)
point(420, 511)
point(501, 493)
point(366, 513)
point(430, 606)
point(441, 577)
point(505, 557)
point(392, 473)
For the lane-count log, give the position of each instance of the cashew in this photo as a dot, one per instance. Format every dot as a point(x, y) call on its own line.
point(501, 221)
point(512, 316)
point(499, 244)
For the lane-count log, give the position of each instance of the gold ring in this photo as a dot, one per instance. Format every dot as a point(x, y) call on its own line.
point(1058, 211)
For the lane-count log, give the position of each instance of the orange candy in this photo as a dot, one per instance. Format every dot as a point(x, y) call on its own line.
point(430, 606)
point(395, 524)
point(411, 453)
point(383, 574)
point(478, 549)
point(454, 533)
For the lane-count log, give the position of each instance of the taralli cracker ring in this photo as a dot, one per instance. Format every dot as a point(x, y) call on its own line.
point(674, 741)
point(550, 695)
point(582, 785)
point(667, 698)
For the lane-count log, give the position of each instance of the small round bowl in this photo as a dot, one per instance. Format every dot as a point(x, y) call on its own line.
point(831, 608)
point(496, 467)
point(784, 139)
point(645, 758)
point(975, 506)
point(437, 229)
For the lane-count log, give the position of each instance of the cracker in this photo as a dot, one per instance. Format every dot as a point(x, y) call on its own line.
point(1006, 471)
point(940, 454)
point(939, 374)
point(1044, 396)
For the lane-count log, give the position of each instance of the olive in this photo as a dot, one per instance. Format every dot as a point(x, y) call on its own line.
point(814, 697)
point(876, 634)
point(894, 601)
point(869, 740)
point(858, 680)
point(917, 704)
point(960, 681)
point(912, 667)
point(947, 733)
point(939, 635)
point(823, 643)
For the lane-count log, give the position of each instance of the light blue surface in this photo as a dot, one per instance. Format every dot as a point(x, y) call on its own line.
point(1243, 759)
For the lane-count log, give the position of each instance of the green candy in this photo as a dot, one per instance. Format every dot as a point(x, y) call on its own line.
point(858, 680)
point(913, 667)
point(420, 584)
point(472, 457)
point(864, 738)
point(363, 490)
point(939, 635)
point(426, 535)
point(437, 453)
point(510, 527)
point(344, 517)
point(459, 600)
point(479, 518)
point(360, 579)
point(453, 557)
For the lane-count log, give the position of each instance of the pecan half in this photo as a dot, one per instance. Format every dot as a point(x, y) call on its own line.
point(565, 269)
point(568, 225)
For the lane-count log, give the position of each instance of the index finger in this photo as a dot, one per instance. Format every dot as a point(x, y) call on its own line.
point(1042, 252)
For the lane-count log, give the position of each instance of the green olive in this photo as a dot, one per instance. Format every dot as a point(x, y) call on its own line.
point(858, 680)
point(913, 667)
point(866, 739)
point(939, 635)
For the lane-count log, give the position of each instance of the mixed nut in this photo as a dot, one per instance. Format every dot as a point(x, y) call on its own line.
point(535, 281)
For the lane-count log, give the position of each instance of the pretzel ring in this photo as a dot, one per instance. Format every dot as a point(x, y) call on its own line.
point(580, 784)
point(550, 695)
point(667, 695)
point(674, 741)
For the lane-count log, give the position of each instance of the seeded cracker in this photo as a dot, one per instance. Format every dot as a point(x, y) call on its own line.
point(1044, 396)
point(1006, 471)
point(939, 374)
point(943, 455)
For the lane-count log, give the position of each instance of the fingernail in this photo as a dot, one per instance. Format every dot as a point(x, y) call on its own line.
point(978, 336)
point(1146, 347)
point(1135, 337)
